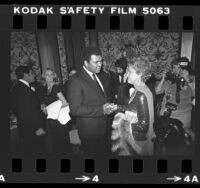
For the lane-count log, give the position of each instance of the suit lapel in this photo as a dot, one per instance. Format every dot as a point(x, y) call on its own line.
point(103, 84)
point(26, 87)
point(91, 82)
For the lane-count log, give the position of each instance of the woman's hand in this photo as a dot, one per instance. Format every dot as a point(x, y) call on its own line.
point(40, 132)
point(113, 107)
point(65, 105)
point(63, 100)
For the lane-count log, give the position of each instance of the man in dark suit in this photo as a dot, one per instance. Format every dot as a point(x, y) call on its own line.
point(87, 95)
point(119, 86)
point(26, 106)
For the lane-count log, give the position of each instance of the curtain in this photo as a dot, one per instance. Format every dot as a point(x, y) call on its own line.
point(49, 51)
point(186, 45)
point(93, 39)
point(194, 50)
point(69, 50)
point(74, 46)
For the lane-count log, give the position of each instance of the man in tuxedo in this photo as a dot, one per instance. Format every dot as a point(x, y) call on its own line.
point(87, 95)
point(26, 106)
point(120, 89)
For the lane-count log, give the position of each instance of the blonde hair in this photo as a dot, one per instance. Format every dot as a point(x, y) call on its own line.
point(141, 66)
point(55, 77)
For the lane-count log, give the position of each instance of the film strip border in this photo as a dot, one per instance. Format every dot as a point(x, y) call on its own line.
point(125, 170)
point(115, 23)
point(119, 170)
point(89, 165)
point(146, 18)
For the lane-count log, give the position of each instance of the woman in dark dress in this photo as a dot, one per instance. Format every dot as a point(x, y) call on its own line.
point(133, 125)
point(58, 134)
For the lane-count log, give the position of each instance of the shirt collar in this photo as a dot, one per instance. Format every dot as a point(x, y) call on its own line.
point(25, 82)
point(89, 72)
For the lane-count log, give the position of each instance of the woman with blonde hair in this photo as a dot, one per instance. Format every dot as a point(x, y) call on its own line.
point(133, 125)
point(58, 135)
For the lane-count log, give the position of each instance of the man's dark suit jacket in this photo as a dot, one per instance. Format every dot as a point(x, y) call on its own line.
point(119, 89)
point(26, 106)
point(86, 104)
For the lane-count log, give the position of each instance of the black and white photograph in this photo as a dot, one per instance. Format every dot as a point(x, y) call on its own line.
point(102, 93)
point(99, 94)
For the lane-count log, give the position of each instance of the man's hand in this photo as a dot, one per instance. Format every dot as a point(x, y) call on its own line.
point(74, 137)
point(158, 87)
point(106, 108)
point(185, 74)
point(191, 133)
point(40, 132)
point(43, 108)
point(113, 107)
point(109, 108)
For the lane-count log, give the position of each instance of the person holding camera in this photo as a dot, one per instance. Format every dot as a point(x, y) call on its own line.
point(179, 95)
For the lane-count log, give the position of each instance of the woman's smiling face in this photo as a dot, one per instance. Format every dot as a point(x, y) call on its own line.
point(49, 76)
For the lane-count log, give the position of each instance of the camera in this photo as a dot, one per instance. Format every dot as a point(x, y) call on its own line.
point(184, 64)
point(169, 108)
point(180, 81)
point(171, 77)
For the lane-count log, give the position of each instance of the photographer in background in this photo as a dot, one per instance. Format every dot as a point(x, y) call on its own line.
point(179, 93)
point(119, 86)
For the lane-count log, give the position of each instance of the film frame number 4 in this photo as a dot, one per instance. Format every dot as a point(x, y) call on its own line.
point(87, 178)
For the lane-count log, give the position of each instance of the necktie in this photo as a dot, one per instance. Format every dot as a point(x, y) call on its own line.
point(97, 83)
point(31, 87)
point(121, 79)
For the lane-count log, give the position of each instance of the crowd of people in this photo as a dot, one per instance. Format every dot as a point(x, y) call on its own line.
point(128, 112)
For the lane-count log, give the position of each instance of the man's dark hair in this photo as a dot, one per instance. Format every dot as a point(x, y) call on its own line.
point(184, 63)
point(21, 70)
point(90, 51)
point(122, 63)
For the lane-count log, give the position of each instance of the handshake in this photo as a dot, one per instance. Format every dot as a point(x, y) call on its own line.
point(109, 108)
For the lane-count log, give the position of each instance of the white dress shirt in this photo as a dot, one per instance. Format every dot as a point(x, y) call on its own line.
point(120, 78)
point(90, 74)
